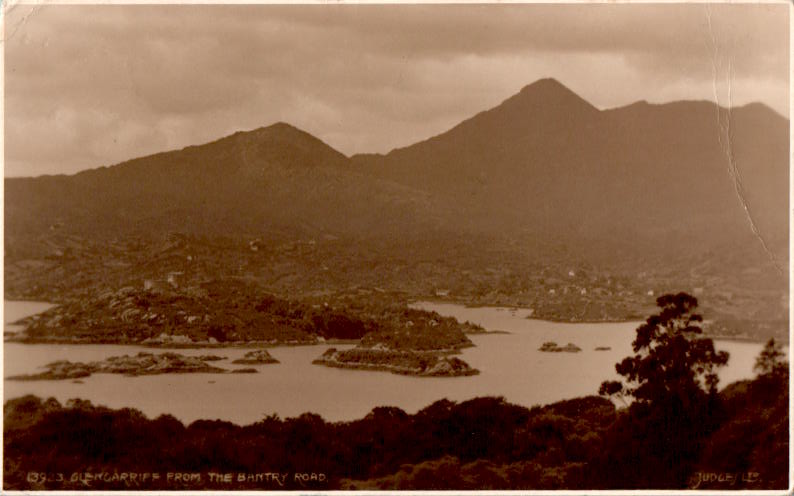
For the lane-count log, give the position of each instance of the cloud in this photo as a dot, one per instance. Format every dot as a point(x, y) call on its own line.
point(94, 85)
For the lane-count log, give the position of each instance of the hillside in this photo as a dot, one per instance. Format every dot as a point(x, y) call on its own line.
point(547, 163)
point(544, 163)
point(270, 179)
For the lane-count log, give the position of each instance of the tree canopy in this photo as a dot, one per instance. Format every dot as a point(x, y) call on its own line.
point(772, 361)
point(670, 360)
point(673, 381)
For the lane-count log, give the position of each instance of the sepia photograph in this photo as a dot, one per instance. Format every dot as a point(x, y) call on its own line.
point(365, 247)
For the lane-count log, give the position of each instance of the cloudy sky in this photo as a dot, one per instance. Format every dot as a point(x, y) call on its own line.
point(87, 86)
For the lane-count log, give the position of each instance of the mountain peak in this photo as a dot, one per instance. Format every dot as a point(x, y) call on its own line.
point(551, 92)
point(760, 109)
point(279, 132)
point(286, 144)
point(279, 128)
point(545, 84)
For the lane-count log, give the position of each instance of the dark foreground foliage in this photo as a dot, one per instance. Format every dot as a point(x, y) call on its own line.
point(672, 380)
point(484, 443)
point(44, 436)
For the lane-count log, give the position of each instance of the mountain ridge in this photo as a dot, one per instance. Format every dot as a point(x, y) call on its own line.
point(545, 86)
point(543, 159)
point(500, 209)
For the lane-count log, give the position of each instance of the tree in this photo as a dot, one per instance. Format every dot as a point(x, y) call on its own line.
point(772, 368)
point(672, 379)
point(670, 361)
point(772, 361)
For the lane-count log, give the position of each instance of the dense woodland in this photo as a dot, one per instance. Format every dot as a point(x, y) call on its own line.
point(676, 433)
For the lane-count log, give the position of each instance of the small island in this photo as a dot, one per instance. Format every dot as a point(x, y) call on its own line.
point(552, 347)
point(397, 362)
point(141, 364)
point(256, 357)
point(416, 343)
point(218, 313)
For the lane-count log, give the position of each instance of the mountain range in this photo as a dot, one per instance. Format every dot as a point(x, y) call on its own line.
point(545, 163)
point(544, 175)
point(682, 174)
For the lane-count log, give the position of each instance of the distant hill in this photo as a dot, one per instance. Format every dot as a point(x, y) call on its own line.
point(544, 163)
point(272, 178)
point(668, 178)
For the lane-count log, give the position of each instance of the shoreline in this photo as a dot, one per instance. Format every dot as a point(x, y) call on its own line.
point(410, 303)
point(185, 346)
point(716, 337)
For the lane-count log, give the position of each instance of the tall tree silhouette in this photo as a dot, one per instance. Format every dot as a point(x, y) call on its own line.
point(772, 368)
point(670, 361)
point(673, 381)
point(771, 360)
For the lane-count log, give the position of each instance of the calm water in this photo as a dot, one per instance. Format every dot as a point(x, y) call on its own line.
point(15, 310)
point(509, 365)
